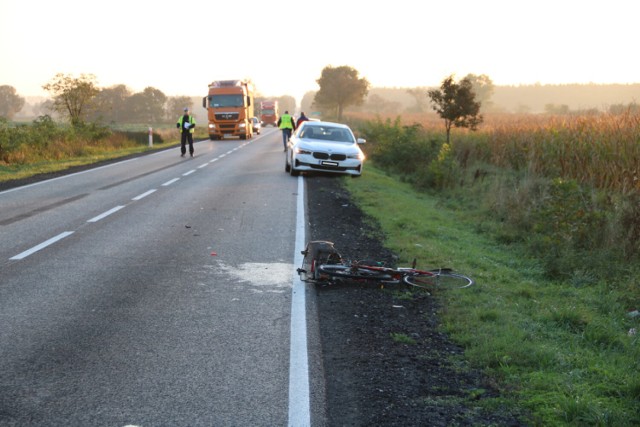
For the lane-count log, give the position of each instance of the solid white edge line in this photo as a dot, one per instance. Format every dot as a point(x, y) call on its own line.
point(170, 182)
point(299, 406)
point(105, 214)
point(42, 245)
point(143, 195)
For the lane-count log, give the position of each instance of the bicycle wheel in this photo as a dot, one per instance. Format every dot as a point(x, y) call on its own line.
point(341, 271)
point(439, 279)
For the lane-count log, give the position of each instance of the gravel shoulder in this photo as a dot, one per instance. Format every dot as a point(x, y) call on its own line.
point(371, 378)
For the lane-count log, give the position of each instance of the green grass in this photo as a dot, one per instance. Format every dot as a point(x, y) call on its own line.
point(402, 338)
point(561, 350)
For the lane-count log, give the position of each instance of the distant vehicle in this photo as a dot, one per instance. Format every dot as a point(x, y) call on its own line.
point(256, 125)
point(269, 113)
point(324, 147)
point(229, 108)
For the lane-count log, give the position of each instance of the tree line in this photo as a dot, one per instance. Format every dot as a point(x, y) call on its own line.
point(80, 99)
point(456, 102)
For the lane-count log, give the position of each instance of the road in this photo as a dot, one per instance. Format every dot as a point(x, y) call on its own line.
point(156, 291)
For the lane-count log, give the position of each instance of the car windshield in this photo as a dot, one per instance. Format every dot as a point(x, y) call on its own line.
point(327, 133)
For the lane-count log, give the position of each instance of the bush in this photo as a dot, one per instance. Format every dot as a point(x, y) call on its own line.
point(46, 140)
point(408, 151)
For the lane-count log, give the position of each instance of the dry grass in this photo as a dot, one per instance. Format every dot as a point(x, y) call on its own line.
point(601, 150)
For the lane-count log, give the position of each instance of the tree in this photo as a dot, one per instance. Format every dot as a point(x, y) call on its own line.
point(306, 104)
point(146, 106)
point(483, 87)
point(111, 103)
point(380, 105)
point(286, 103)
point(421, 104)
point(176, 106)
point(339, 88)
point(456, 104)
point(10, 102)
point(72, 97)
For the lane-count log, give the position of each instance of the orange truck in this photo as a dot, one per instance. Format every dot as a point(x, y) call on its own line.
point(230, 109)
point(269, 113)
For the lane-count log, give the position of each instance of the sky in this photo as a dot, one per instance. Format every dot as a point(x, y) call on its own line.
point(180, 47)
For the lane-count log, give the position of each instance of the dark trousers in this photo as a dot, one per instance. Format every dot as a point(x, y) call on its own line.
point(186, 136)
point(286, 136)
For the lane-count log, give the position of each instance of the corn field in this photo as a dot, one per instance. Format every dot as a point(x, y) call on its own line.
point(600, 150)
point(568, 185)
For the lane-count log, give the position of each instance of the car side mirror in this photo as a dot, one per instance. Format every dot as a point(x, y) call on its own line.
point(362, 141)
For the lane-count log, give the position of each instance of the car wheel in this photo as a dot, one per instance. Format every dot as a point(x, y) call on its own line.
point(293, 171)
point(287, 166)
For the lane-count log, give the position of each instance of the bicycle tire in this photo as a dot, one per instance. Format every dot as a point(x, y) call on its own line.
point(341, 271)
point(439, 279)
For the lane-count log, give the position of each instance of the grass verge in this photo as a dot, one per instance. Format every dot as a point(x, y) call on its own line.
point(19, 171)
point(567, 352)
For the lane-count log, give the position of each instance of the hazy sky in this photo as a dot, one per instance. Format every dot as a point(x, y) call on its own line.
point(181, 46)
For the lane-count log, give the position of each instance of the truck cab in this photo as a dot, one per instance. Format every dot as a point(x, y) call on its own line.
point(229, 107)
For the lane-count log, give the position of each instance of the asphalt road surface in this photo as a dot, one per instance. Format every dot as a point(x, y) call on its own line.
point(156, 292)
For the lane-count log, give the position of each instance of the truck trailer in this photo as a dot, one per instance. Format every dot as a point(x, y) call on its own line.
point(269, 113)
point(229, 107)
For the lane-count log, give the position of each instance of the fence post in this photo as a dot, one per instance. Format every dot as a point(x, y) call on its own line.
point(150, 136)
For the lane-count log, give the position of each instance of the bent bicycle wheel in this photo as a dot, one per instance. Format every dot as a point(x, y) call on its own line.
point(339, 271)
point(439, 279)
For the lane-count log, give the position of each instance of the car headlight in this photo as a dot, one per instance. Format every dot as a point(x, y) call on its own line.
point(212, 126)
point(303, 151)
point(242, 125)
point(359, 156)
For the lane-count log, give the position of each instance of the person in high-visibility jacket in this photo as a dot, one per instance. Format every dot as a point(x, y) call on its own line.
point(287, 125)
point(186, 124)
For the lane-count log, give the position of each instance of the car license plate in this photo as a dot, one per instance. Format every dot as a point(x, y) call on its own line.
point(325, 163)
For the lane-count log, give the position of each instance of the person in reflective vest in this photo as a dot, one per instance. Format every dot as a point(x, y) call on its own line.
point(186, 124)
point(287, 125)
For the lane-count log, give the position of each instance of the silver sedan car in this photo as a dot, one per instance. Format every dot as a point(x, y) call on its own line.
point(324, 147)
